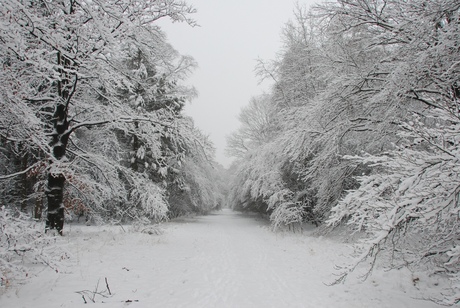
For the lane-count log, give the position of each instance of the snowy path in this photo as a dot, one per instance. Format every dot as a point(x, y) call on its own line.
point(220, 260)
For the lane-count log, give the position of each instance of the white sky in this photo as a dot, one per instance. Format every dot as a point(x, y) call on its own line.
point(231, 36)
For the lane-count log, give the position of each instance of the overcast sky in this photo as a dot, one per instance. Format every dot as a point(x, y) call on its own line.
point(231, 36)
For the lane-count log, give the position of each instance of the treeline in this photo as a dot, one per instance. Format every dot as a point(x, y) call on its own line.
point(361, 127)
point(91, 121)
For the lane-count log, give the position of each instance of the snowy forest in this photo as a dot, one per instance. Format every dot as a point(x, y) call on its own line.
point(359, 132)
point(361, 128)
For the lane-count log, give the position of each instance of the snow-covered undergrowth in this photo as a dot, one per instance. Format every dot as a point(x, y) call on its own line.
point(220, 260)
point(25, 250)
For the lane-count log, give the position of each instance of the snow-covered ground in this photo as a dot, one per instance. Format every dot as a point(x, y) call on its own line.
point(220, 260)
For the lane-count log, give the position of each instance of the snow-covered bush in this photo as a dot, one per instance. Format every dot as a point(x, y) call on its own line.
point(286, 214)
point(144, 225)
point(149, 200)
point(23, 243)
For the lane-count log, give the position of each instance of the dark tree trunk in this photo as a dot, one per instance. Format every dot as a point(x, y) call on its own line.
point(55, 186)
point(54, 195)
point(60, 136)
point(38, 208)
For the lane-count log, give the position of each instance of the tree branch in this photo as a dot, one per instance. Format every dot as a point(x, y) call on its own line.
point(9, 176)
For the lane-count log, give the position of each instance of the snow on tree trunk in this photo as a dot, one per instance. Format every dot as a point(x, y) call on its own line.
point(56, 179)
point(60, 137)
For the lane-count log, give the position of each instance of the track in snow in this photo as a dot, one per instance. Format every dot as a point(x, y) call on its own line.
point(220, 260)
